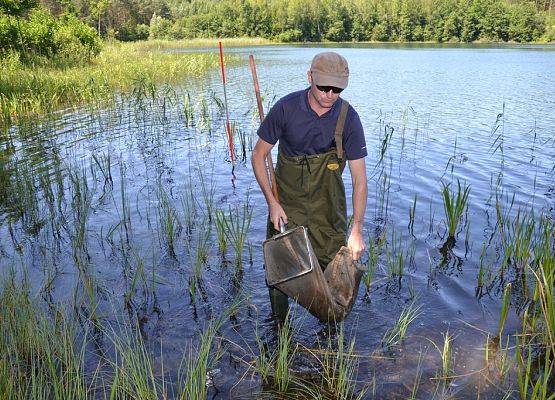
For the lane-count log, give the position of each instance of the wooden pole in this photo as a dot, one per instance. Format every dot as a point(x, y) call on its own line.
point(269, 163)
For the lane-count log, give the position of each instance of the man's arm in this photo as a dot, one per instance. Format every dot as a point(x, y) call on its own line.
point(261, 149)
point(360, 193)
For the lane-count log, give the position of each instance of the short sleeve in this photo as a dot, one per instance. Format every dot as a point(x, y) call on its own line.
point(354, 142)
point(272, 127)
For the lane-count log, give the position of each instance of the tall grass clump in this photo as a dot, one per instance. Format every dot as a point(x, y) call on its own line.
point(41, 358)
point(339, 369)
point(398, 332)
point(454, 204)
point(197, 364)
point(236, 226)
point(375, 247)
point(535, 351)
point(134, 371)
point(284, 356)
point(168, 219)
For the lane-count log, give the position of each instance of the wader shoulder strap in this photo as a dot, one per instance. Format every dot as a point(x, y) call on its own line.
point(339, 128)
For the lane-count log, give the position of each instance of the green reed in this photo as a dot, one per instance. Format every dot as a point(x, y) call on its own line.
point(197, 363)
point(41, 358)
point(454, 204)
point(135, 375)
point(207, 191)
point(221, 230)
point(284, 356)
point(189, 207)
point(188, 111)
point(396, 256)
point(168, 219)
point(484, 276)
point(446, 353)
point(534, 383)
point(236, 225)
point(412, 213)
point(375, 246)
point(398, 331)
point(205, 118)
point(417, 378)
point(517, 241)
point(504, 309)
point(339, 368)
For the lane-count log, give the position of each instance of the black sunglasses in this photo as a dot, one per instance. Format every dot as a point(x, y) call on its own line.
point(326, 89)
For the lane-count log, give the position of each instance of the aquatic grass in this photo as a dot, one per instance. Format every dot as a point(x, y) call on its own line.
point(339, 367)
point(104, 164)
point(534, 384)
point(236, 225)
point(454, 205)
point(168, 219)
point(27, 91)
point(484, 277)
point(207, 191)
point(220, 230)
point(398, 331)
point(417, 378)
point(196, 365)
point(504, 309)
point(133, 365)
point(544, 289)
point(198, 256)
point(446, 356)
point(396, 257)
point(386, 140)
point(284, 356)
point(412, 213)
point(41, 358)
point(375, 248)
point(188, 111)
point(163, 44)
point(237, 131)
point(204, 120)
point(189, 207)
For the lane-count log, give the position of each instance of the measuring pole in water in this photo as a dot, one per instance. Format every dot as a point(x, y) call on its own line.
point(269, 163)
point(227, 124)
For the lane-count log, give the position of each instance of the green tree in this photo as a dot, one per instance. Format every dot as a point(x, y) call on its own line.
point(98, 9)
point(16, 7)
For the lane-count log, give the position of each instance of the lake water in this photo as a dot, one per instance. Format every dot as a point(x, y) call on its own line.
point(478, 114)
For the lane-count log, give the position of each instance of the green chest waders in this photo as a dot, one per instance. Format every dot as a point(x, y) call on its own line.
point(312, 194)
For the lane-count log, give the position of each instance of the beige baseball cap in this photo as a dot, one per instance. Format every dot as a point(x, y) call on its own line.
point(330, 69)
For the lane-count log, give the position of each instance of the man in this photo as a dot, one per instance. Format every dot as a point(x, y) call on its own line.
point(317, 132)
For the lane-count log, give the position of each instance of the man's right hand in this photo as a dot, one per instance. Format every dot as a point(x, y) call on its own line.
point(276, 212)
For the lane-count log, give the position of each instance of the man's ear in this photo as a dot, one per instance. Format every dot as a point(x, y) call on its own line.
point(309, 76)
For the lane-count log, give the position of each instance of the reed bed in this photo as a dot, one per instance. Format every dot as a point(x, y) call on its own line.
point(159, 44)
point(26, 91)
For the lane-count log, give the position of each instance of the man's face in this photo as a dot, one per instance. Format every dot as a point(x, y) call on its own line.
point(325, 99)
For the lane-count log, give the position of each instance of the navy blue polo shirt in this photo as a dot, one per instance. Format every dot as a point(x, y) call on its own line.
point(301, 131)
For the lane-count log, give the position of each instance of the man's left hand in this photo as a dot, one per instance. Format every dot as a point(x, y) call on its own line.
point(355, 243)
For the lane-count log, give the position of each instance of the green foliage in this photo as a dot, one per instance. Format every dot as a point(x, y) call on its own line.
point(16, 7)
point(40, 35)
point(24, 28)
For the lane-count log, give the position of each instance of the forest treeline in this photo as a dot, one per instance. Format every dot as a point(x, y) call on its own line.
point(72, 28)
